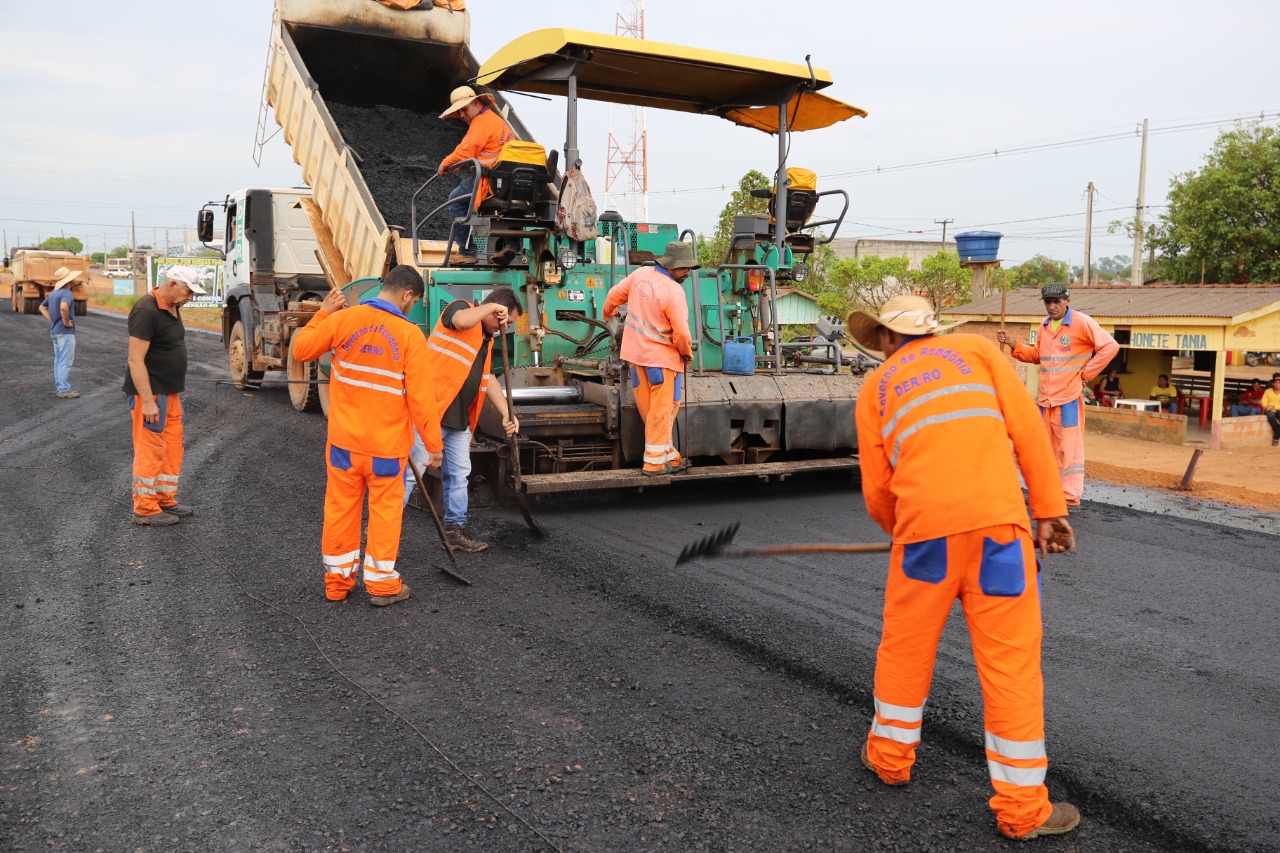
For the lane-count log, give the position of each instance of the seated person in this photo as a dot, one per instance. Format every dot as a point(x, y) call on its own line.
point(1167, 394)
point(1250, 402)
point(1271, 408)
point(1108, 389)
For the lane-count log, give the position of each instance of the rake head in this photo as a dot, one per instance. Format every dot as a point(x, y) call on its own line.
point(709, 546)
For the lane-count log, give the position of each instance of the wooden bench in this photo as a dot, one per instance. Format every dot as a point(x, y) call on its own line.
point(1191, 385)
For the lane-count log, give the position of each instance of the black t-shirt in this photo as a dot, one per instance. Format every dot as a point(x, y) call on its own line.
point(166, 358)
point(455, 417)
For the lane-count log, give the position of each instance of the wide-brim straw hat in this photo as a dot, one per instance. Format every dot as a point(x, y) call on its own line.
point(462, 96)
point(906, 315)
point(679, 255)
point(64, 275)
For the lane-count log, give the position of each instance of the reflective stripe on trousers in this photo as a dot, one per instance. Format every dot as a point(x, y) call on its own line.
point(349, 476)
point(992, 572)
point(157, 458)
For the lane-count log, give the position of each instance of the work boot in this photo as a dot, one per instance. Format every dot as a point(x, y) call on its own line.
point(461, 260)
point(159, 519)
point(458, 540)
point(180, 510)
point(681, 467)
point(661, 472)
point(68, 395)
point(1064, 818)
point(384, 600)
point(866, 762)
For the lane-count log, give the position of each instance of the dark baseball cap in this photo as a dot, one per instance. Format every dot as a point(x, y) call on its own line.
point(1055, 291)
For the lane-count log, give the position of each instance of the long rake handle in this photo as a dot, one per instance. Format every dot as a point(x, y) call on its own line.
point(804, 548)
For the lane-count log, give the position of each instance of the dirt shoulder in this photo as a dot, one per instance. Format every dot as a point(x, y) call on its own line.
point(1247, 477)
point(99, 286)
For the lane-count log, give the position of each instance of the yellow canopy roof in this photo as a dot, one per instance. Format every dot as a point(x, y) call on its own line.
point(621, 70)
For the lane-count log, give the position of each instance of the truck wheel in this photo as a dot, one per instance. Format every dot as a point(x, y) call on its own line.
point(322, 393)
point(304, 393)
point(31, 305)
point(82, 307)
point(238, 356)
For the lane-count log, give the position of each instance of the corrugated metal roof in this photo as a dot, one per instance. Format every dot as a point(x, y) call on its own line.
point(1102, 303)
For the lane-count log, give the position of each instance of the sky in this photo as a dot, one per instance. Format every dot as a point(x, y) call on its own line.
point(148, 109)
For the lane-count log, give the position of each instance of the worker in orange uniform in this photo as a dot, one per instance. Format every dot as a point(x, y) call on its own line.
point(1071, 349)
point(459, 357)
point(935, 422)
point(487, 132)
point(379, 392)
point(657, 344)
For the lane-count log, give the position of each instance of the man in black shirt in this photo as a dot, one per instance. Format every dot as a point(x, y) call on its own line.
point(157, 374)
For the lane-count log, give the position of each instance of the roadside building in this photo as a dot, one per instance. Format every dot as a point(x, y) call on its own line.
point(796, 308)
point(1154, 324)
point(915, 251)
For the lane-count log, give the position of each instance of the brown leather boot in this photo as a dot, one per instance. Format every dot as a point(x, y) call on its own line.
point(384, 600)
point(866, 762)
point(1064, 818)
point(458, 540)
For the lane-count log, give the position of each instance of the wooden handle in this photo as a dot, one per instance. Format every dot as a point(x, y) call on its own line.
point(808, 548)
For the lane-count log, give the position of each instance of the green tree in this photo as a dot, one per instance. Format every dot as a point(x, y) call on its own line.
point(1225, 218)
point(63, 244)
point(1038, 272)
point(712, 250)
point(869, 281)
point(119, 252)
point(942, 280)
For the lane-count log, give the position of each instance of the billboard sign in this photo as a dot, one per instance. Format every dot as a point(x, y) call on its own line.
point(210, 270)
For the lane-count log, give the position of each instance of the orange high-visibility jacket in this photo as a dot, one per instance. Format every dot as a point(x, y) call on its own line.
point(657, 318)
point(935, 423)
point(486, 135)
point(451, 353)
point(1075, 355)
point(379, 383)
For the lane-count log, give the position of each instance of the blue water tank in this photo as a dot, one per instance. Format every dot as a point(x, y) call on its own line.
point(978, 246)
point(740, 356)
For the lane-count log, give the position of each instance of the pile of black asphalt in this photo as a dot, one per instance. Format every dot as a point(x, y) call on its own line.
point(190, 688)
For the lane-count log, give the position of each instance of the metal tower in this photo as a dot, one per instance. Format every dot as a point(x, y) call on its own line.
point(626, 182)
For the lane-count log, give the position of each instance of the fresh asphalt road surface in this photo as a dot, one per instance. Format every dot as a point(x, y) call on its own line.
point(190, 689)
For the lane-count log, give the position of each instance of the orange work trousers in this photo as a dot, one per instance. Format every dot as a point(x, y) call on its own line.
point(350, 476)
point(993, 573)
point(157, 455)
point(1065, 425)
point(658, 403)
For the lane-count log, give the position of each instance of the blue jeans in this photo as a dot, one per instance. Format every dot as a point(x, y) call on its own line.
point(454, 471)
point(64, 355)
point(1239, 411)
point(459, 204)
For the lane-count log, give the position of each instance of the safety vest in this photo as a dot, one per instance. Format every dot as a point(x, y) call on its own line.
point(934, 425)
point(657, 325)
point(379, 383)
point(486, 135)
point(451, 353)
point(1068, 358)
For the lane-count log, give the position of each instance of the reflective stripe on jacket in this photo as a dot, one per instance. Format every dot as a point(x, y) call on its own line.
point(1079, 351)
point(451, 353)
point(486, 135)
point(657, 326)
point(934, 425)
point(379, 382)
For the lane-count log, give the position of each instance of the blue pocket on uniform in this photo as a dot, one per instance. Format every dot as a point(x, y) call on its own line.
point(339, 458)
point(162, 402)
point(655, 374)
point(1003, 571)
point(925, 561)
point(679, 387)
point(635, 377)
point(386, 467)
point(1071, 414)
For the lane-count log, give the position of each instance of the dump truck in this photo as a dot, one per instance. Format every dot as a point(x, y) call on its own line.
point(34, 277)
point(357, 89)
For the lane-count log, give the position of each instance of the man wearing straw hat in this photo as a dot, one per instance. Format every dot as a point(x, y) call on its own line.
point(935, 423)
point(487, 132)
point(657, 345)
point(59, 308)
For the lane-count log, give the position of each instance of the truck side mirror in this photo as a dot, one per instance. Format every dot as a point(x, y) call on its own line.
point(204, 225)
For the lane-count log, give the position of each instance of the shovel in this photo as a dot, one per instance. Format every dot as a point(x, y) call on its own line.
point(719, 544)
point(422, 487)
point(537, 528)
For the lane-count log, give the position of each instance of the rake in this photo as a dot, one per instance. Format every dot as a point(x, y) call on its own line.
point(719, 544)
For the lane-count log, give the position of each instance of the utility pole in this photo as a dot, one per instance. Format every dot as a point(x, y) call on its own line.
point(133, 244)
point(1088, 237)
point(1136, 278)
point(944, 223)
